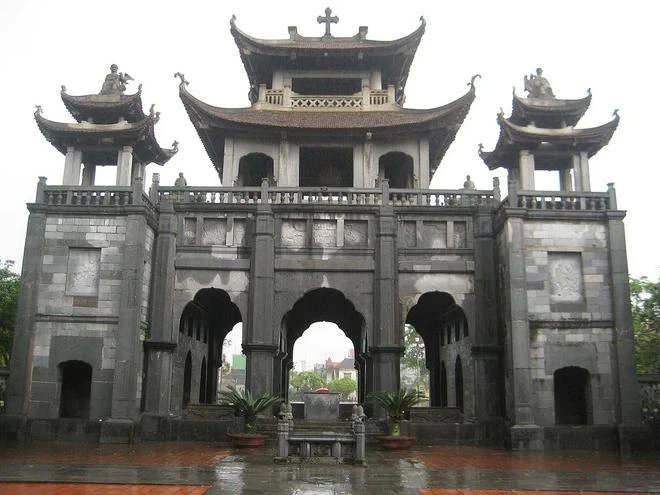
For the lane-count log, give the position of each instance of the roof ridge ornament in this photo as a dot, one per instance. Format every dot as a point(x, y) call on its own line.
point(180, 75)
point(327, 20)
point(538, 86)
point(115, 82)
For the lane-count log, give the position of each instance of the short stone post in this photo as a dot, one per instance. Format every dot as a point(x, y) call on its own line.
point(611, 193)
point(153, 191)
point(40, 198)
point(282, 442)
point(360, 452)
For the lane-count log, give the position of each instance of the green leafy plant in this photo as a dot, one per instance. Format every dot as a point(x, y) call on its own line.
point(397, 405)
point(248, 406)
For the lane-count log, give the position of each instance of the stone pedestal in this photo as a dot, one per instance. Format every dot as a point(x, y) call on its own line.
point(321, 406)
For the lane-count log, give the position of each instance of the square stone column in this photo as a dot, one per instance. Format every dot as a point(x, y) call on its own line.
point(526, 167)
point(72, 165)
point(124, 166)
point(581, 172)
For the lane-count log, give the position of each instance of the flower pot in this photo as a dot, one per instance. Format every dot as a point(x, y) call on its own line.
point(396, 442)
point(247, 440)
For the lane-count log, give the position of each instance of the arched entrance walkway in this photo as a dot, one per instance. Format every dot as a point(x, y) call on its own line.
point(328, 305)
point(442, 325)
point(572, 393)
point(203, 326)
point(397, 167)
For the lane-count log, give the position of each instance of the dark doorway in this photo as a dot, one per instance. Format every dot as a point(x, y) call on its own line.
point(572, 396)
point(458, 379)
point(397, 167)
point(253, 168)
point(187, 379)
point(326, 167)
point(76, 380)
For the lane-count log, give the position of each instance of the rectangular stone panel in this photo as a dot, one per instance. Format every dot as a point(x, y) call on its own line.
point(410, 234)
point(356, 233)
point(239, 232)
point(565, 277)
point(82, 274)
point(293, 233)
point(189, 231)
point(460, 235)
point(214, 232)
point(324, 233)
point(435, 235)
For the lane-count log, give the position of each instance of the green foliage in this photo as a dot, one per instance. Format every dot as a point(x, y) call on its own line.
point(305, 381)
point(248, 406)
point(343, 386)
point(414, 356)
point(396, 404)
point(645, 305)
point(10, 286)
point(651, 405)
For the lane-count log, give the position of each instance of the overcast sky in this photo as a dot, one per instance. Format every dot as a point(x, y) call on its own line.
point(605, 46)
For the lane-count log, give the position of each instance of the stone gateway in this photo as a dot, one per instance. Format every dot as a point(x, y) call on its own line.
point(325, 213)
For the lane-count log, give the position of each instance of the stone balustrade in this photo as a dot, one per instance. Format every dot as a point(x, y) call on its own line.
point(560, 200)
point(287, 98)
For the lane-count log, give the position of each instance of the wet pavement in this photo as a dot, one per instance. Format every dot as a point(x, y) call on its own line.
point(193, 468)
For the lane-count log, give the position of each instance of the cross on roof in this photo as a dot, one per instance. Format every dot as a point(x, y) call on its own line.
point(328, 19)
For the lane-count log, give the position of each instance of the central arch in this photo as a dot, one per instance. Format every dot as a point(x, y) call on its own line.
point(329, 305)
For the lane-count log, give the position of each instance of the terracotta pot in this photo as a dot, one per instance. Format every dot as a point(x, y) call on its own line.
point(247, 440)
point(390, 442)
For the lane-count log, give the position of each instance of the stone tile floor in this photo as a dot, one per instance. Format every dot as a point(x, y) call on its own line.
point(193, 468)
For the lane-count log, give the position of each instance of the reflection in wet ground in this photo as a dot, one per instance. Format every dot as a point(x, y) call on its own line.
point(194, 468)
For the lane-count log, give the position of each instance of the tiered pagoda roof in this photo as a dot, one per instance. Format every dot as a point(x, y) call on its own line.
point(394, 58)
point(104, 122)
point(546, 124)
point(213, 124)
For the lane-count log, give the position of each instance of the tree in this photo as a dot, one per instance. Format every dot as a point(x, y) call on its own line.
point(343, 386)
point(10, 286)
point(414, 356)
point(645, 305)
point(306, 381)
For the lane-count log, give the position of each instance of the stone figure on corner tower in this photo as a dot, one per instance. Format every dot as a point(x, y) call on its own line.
point(538, 86)
point(115, 82)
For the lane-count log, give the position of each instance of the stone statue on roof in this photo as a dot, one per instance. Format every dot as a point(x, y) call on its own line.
point(538, 86)
point(115, 82)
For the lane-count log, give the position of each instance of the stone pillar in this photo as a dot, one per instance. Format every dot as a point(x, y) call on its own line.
point(485, 349)
point(260, 336)
point(423, 168)
point(160, 347)
point(89, 175)
point(525, 434)
point(386, 347)
point(72, 164)
point(280, 174)
point(20, 371)
point(128, 353)
point(124, 166)
point(138, 171)
point(370, 174)
point(581, 170)
point(628, 394)
point(565, 179)
point(229, 174)
point(526, 167)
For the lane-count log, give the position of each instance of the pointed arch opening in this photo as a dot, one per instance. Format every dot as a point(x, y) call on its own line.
point(76, 388)
point(442, 325)
point(414, 373)
point(398, 168)
point(326, 311)
point(204, 323)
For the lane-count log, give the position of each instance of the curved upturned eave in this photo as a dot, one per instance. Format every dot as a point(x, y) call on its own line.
point(525, 110)
point(283, 47)
point(83, 106)
point(440, 123)
point(140, 134)
point(600, 135)
point(207, 115)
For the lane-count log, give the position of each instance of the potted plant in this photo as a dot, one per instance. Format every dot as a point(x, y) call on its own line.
point(248, 407)
point(397, 406)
